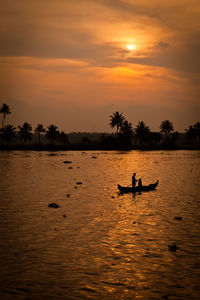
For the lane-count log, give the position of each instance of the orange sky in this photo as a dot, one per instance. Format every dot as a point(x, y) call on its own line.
point(70, 62)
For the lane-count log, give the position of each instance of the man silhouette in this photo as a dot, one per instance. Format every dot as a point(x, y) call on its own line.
point(134, 180)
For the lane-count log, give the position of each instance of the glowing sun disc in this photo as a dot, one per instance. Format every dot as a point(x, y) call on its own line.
point(130, 47)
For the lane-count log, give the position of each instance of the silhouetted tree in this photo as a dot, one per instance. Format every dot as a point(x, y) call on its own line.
point(52, 133)
point(63, 137)
point(142, 132)
point(155, 138)
point(8, 133)
point(5, 110)
point(193, 131)
point(193, 134)
point(39, 130)
point(126, 133)
point(190, 132)
point(166, 127)
point(174, 137)
point(116, 119)
point(108, 140)
point(197, 128)
point(85, 140)
point(24, 132)
point(126, 129)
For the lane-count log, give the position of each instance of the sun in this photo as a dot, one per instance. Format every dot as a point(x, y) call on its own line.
point(130, 47)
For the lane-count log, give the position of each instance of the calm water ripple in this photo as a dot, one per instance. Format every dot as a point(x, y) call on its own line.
point(99, 244)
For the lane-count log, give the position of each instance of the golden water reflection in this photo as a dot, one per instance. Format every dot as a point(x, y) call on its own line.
point(108, 246)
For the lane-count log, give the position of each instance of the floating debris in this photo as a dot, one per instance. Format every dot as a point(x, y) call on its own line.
point(68, 195)
point(78, 167)
point(79, 182)
point(70, 168)
point(178, 218)
point(94, 156)
point(64, 216)
point(113, 197)
point(54, 205)
point(67, 161)
point(172, 248)
point(75, 187)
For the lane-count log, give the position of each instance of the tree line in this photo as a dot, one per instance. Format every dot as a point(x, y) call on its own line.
point(24, 132)
point(125, 135)
point(143, 134)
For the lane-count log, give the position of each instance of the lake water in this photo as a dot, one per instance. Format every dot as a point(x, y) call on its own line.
point(99, 244)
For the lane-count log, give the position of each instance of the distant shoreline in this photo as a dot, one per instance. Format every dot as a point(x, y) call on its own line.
point(80, 147)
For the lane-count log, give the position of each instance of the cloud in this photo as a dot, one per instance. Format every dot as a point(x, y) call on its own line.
point(95, 31)
point(162, 45)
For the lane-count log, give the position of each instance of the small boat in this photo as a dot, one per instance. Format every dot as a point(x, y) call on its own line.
point(143, 188)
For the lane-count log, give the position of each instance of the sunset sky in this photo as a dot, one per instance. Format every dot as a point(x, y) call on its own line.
point(73, 63)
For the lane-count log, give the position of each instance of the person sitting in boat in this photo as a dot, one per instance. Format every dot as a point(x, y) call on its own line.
point(134, 180)
point(140, 182)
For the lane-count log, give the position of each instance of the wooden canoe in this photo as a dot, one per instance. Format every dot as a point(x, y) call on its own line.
point(143, 188)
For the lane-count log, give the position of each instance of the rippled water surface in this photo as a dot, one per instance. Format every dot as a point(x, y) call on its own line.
point(98, 244)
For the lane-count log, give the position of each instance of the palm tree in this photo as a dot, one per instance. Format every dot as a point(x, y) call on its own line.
point(5, 110)
point(166, 127)
point(24, 132)
point(39, 130)
point(8, 133)
point(116, 119)
point(142, 132)
point(52, 133)
point(126, 129)
point(126, 133)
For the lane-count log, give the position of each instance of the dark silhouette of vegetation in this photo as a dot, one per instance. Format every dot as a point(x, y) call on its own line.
point(126, 129)
point(39, 130)
point(116, 120)
point(85, 140)
point(142, 132)
point(155, 138)
point(193, 134)
point(5, 110)
point(174, 138)
point(8, 133)
point(193, 131)
point(63, 137)
point(141, 137)
point(126, 133)
point(169, 137)
point(25, 133)
point(166, 127)
point(52, 133)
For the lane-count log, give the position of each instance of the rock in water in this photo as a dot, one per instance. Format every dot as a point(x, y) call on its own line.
point(172, 248)
point(54, 205)
point(178, 218)
point(67, 162)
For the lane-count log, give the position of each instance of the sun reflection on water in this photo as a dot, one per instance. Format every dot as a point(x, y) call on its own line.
point(108, 246)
